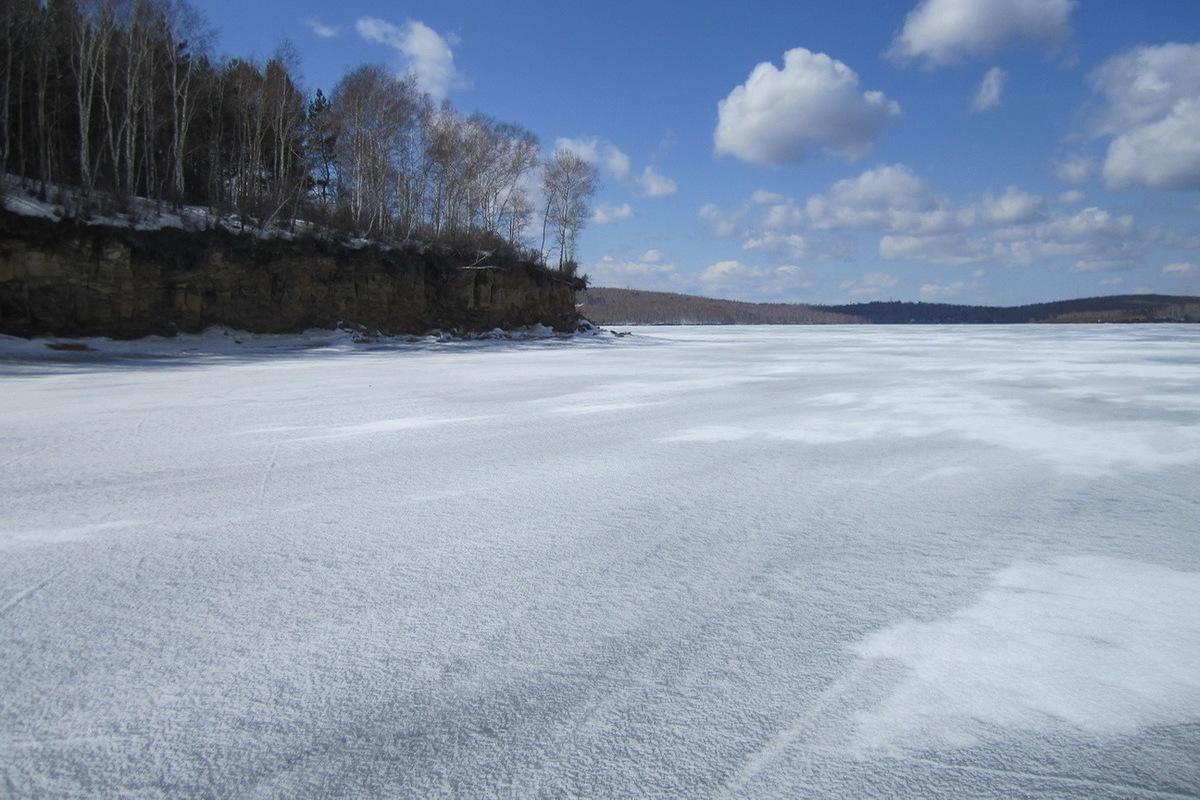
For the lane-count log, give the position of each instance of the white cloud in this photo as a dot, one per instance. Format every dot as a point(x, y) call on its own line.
point(934, 290)
point(1098, 240)
point(872, 284)
point(610, 271)
point(655, 184)
point(945, 32)
point(990, 89)
point(773, 223)
point(782, 217)
point(814, 103)
point(723, 223)
point(1073, 197)
point(1086, 225)
point(1100, 265)
point(1181, 269)
point(321, 29)
point(606, 213)
point(424, 52)
point(1074, 168)
point(736, 280)
point(724, 270)
point(761, 197)
point(889, 198)
point(792, 246)
point(1093, 239)
point(599, 153)
point(1010, 228)
point(1153, 114)
point(1011, 208)
point(1014, 227)
point(944, 249)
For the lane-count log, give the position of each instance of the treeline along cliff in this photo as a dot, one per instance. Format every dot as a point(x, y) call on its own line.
point(105, 104)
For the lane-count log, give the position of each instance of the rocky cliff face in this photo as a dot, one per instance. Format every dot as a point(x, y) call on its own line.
point(70, 279)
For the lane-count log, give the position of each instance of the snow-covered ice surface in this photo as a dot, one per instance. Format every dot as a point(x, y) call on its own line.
point(848, 562)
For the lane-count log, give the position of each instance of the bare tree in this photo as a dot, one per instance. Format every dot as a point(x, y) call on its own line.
point(283, 115)
point(91, 26)
point(191, 39)
point(374, 117)
point(569, 183)
point(511, 152)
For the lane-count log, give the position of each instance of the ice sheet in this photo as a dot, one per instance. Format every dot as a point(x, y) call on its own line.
point(693, 562)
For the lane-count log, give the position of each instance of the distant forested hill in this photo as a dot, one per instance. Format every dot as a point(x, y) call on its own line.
point(635, 307)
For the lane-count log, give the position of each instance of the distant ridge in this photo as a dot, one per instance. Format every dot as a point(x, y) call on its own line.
point(636, 307)
point(605, 306)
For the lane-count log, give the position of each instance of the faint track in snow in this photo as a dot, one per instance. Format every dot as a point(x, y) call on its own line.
point(760, 759)
point(272, 462)
point(23, 595)
point(22, 457)
point(66, 741)
point(1139, 791)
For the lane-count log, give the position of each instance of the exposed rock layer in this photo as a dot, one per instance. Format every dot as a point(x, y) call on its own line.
point(72, 279)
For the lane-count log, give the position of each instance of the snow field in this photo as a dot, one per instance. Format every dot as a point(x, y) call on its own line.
point(722, 562)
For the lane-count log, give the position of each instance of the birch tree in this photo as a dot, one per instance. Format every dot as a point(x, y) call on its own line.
point(569, 183)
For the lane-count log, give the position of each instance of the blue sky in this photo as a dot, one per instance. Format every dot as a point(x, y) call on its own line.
point(967, 151)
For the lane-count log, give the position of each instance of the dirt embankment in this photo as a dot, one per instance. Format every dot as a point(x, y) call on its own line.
point(67, 278)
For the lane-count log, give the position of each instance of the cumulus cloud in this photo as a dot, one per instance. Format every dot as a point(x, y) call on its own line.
point(1013, 207)
point(606, 213)
point(774, 224)
point(779, 116)
point(944, 249)
point(1097, 240)
point(321, 29)
point(650, 269)
point(615, 163)
point(1073, 197)
point(423, 52)
point(933, 290)
point(1153, 113)
point(888, 198)
point(945, 32)
point(873, 284)
point(600, 153)
point(722, 223)
point(724, 270)
point(792, 246)
point(990, 89)
point(914, 223)
point(1014, 227)
point(763, 197)
point(782, 216)
point(734, 279)
point(655, 184)
point(1074, 168)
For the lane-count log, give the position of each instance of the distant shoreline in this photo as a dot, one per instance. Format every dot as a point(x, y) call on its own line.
point(608, 306)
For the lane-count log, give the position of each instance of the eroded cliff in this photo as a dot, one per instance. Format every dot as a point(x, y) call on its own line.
point(67, 278)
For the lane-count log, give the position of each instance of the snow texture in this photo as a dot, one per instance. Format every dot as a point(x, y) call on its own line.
point(948, 562)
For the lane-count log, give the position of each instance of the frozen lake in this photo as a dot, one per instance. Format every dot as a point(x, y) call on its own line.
point(839, 562)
